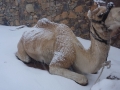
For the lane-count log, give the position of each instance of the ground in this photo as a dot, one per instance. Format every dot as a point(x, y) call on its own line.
point(15, 75)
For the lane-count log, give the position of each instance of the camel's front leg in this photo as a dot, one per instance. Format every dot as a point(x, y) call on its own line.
point(81, 79)
point(59, 65)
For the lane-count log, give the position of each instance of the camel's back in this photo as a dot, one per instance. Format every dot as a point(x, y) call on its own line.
point(41, 43)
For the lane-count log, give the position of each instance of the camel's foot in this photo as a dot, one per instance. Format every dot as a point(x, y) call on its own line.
point(82, 80)
point(82, 84)
point(95, 73)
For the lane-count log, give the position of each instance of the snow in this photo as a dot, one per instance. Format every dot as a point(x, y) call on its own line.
point(99, 1)
point(15, 75)
point(107, 85)
point(44, 21)
point(56, 57)
point(114, 75)
point(63, 43)
point(35, 32)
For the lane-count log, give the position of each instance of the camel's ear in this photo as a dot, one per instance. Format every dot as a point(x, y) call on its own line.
point(89, 14)
point(93, 10)
point(94, 6)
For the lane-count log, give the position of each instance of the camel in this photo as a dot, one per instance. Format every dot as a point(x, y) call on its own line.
point(56, 45)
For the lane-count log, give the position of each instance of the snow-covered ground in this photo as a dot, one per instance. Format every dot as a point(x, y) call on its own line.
point(15, 75)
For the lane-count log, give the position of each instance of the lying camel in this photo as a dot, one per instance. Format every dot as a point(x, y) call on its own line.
point(56, 45)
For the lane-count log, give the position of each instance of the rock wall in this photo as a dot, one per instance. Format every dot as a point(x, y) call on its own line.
point(116, 2)
point(28, 12)
point(9, 12)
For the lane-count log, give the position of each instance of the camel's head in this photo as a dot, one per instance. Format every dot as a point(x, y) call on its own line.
point(96, 13)
point(107, 14)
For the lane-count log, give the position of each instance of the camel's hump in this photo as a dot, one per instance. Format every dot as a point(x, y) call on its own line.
point(44, 23)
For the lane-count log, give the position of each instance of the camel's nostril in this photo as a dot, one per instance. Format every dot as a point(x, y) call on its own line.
point(119, 28)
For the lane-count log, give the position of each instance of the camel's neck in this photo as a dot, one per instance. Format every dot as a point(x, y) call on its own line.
point(94, 57)
point(99, 46)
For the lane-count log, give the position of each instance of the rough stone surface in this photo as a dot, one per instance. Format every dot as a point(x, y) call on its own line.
point(64, 15)
point(29, 8)
point(70, 12)
point(79, 8)
point(72, 15)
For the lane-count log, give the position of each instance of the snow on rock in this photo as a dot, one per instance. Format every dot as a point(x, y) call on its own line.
point(99, 1)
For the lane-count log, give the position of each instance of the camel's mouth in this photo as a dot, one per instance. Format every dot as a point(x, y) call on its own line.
point(118, 28)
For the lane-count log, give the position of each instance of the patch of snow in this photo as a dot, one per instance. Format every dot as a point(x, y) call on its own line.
point(33, 33)
point(99, 1)
point(107, 84)
point(63, 43)
point(15, 75)
point(44, 20)
point(57, 56)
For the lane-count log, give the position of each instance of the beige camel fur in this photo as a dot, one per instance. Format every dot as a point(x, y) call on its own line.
point(56, 45)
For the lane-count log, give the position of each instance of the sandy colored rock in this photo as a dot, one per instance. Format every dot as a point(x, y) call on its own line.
point(29, 8)
point(64, 22)
point(72, 28)
point(64, 15)
point(57, 18)
point(72, 15)
point(45, 5)
point(16, 2)
point(35, 16)
point(78, 9)
point(17, 22)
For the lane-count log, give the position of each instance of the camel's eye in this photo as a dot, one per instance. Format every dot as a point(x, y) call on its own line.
point(101, 15)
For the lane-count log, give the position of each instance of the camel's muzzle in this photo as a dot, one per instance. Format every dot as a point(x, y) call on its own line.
point(110, 5)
